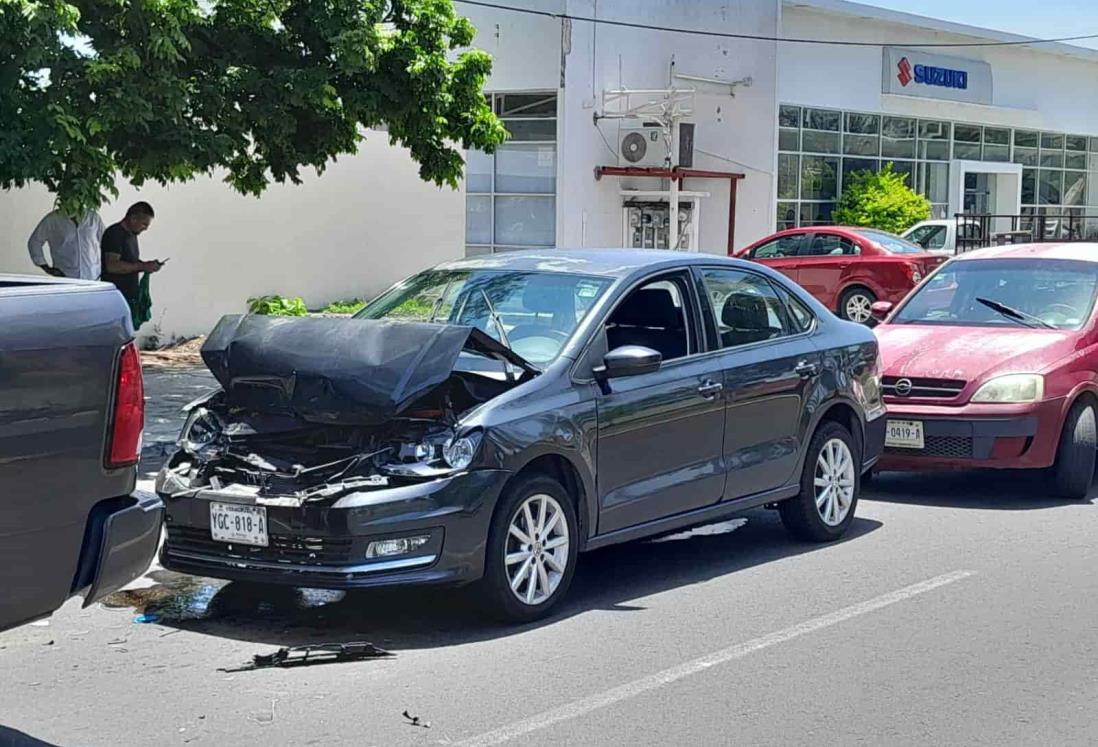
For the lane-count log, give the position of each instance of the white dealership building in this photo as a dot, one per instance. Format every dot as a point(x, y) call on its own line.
point(616, 119)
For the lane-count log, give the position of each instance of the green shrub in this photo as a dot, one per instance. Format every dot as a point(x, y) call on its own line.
point(880, 199)
point(352, 306)
point(276, 305)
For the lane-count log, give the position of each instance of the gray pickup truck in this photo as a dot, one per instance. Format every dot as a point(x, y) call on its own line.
point(71, 417)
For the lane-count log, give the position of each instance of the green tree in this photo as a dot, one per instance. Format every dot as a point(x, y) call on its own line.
point(165, 90)
point(880, 199)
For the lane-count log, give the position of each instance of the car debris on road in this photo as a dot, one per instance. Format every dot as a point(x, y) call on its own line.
point(322, 653)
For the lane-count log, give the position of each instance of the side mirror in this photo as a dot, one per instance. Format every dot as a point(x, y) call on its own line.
point(628, 360)
point(880, 310)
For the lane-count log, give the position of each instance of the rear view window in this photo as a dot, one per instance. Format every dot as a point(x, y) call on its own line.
point(891, 243)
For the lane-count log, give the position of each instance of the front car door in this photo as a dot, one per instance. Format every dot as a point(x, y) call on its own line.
point(824, 261)
point(781, 253)
point(660, 434)
point(769, 364)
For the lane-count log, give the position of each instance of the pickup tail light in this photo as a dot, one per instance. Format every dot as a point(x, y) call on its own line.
point(128, 418)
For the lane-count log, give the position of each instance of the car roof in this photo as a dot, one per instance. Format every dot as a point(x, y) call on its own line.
point(611, 263)
point(1086, 251)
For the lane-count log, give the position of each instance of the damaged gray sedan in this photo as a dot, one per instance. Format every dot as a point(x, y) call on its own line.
point(485, 421)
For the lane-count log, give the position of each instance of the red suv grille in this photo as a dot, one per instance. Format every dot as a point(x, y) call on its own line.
point(903, 387)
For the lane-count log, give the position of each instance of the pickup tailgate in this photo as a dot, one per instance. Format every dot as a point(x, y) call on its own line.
point(59, 352)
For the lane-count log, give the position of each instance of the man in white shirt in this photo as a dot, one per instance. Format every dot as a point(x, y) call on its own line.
point(74, 245)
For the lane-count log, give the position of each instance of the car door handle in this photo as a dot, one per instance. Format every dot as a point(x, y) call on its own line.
point(807, 370)
point(710, 389)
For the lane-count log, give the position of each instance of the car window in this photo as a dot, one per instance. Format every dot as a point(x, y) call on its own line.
point(653, 316)
point(785, 246)
point(829, 244)
point(800, 317)
point(746, 307)
point(890, 242)
point(928, 237)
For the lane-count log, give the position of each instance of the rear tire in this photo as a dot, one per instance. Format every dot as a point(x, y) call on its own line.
point(830, 484)
point(855, 303)
point(1073, 471)
point(547, 550)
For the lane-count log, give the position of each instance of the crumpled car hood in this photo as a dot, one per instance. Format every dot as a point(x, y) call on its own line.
point(329, 370)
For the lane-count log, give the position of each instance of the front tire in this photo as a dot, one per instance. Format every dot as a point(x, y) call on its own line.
point(856, 304)
point(830, 484)
point(1073, 471)
point(532, 547)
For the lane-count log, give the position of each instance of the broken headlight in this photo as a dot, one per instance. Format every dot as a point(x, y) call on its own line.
point(435, 458)
point(459, 452)
point(202, 430)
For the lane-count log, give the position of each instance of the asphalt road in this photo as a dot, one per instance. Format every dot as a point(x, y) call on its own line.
point(960, 611)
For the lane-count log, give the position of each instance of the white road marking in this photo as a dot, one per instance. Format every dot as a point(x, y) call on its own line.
point(667, 676)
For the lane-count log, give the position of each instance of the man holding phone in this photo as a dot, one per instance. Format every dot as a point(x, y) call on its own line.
point(122, 262)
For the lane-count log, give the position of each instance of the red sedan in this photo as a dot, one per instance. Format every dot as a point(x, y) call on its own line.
point(846, 269)
point(993, 362)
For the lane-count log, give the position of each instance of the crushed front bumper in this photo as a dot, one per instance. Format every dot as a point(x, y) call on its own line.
point(323, 545)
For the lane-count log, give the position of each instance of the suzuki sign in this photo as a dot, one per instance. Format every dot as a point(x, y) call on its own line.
point(908, 72)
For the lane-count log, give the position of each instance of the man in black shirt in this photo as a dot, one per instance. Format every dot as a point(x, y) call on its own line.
point(121, 255)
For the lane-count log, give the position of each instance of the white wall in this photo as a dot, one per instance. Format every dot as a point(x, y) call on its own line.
point(525, 48)
point(736, 134)
point(368, 222)
point(1031, 88)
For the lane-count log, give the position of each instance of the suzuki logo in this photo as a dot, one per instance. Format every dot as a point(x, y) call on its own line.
point(903, 387)
point(905, 75)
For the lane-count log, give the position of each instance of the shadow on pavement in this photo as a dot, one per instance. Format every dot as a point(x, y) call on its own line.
point(12, 738)
point(1005, 490)
point(610, 579)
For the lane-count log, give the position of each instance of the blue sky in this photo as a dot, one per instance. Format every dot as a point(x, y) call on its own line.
point(1046, 19)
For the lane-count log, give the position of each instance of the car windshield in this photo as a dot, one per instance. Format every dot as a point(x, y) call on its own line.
point(1005, 292)
point(930, 236)
point(891, 243)
point(533, 313)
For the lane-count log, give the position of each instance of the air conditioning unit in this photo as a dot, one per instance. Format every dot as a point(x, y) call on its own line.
point(641, 144)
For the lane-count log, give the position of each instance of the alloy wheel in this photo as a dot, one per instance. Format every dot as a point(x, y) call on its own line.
point(834, 482)
point(858, 308)
point(536, 554)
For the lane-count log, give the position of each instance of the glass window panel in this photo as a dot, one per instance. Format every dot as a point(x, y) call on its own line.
point(898, 137)
point(789, 116)
point(1076, 161)
point(904, 167)
point(1025, 139)
point(526, 221)
point(1094, 163)
point(938, 212)
point(1050, 186)
point(1000, 153)
point(787, 215)
point(863, 124)
point(966, 133)
point(1052, 141)
point(850, 165)
point(822, 119)
point(861, 145)
point(789, 140)
point(929, 130)
point(1029, 186)
point(478, 171)
point(531, 129)
point(478, 219)
point(526, 168)
point(934, 181)
point(996, 136)
point(969, 151)
point(816, 213)
point(1052, 159)
point(1094, 145)
point(1092, 190)
point(528, 105)
point(1075, 184)
point(819, 178)
point(819, 142)
point(788, 171)
point(1025, 156)
point(477, 251)
point(934, 150)
point(1075, 142)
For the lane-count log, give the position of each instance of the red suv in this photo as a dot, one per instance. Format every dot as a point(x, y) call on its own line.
point(993, 362)
point(846, 269)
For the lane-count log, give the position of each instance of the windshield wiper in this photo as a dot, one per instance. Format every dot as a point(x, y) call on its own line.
point(495, 318)
point(1012, 313)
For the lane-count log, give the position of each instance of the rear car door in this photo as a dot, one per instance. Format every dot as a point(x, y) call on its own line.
point(660, 434)
point(769, 363)
point(782, 254)
point(824, 263)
